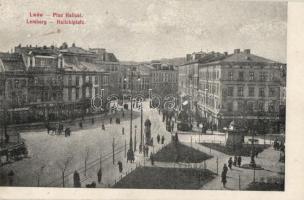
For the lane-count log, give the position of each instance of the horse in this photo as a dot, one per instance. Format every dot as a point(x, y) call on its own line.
point(53, 130)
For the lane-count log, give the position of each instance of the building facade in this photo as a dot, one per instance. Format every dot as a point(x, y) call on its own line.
point(231, 87)
point(49, 83)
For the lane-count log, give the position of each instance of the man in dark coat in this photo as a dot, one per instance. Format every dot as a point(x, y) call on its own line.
point(110, 120)
point(158, 138)
point(120, 166)
point(76, 178)
point(224, 178)
point(239, 161)
point(99, 175)
point(152, 159)
point(230, 163)
point(103, 126)
point(235, 160)
point(225, 168)
point(162, 139)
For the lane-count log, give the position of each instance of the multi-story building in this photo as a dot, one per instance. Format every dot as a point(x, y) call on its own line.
point(108, 62)
point(49, 83)
point(83, 80)
point(231, 87)
point(13, 89)
point(164, 79)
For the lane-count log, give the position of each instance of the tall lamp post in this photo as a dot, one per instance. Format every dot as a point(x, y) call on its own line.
point(141, 128)
point(150, 94)
point(131, 115)
point(206, 90)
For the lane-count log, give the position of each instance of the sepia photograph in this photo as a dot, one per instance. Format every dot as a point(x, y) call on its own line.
point(178, 95)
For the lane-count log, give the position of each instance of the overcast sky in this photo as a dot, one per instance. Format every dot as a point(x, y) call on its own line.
point(144, 30)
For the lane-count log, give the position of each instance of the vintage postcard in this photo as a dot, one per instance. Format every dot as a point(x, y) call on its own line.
point(175, 95)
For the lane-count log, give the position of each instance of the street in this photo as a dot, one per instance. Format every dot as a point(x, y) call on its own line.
point(52, 151)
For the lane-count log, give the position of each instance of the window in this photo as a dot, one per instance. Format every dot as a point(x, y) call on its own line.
point(251, 91)
point(70, 80)
point(230, 91)
point(261, 106)
point(240, 106)
point(77, 93)
point(96, 91)
point(96, 80)
point(23, 83)
point(241, 75)
point(250, 106)
point(90, 79)
point(262, 92)
point(271, 92)
point(240, 91)
point(263, 76)
point(70, 94)
point(90, 92)
point(229, 106)
point(251, 76)
point(271, 107)
point(17, 84)
point(77, 80)
point(230, 75)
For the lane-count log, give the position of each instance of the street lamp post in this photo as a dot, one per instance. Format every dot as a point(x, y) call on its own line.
point(141, 128)
point(131, 115)
point(206, 90)
point(135, 138)
point(150, 93)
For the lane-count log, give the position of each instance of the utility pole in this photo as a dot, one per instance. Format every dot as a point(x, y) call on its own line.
point(141, 128)
point(135, 138)
point(113, 147)
point(131, 116)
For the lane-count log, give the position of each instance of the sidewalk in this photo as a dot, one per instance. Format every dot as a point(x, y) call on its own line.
point(239, 178)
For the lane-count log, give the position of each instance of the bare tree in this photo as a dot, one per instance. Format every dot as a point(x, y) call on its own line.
point(86, 158)
point(63, 166)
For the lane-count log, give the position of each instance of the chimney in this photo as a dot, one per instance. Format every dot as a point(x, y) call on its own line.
point(247, 51)
point(73, 45)
point(226, 53)
point(236, 51)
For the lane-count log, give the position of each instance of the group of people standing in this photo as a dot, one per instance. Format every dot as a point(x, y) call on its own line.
point(237, 161)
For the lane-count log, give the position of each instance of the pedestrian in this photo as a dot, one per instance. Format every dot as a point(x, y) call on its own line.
point(239, 161)
point(256, 154)
point(103, 126)
point(11, 175)
point(93, 121)
point(110, 120)
point(152, 159)
point(225, 168)
point(151, 142)
point(119, 166)
point(235, 160)
point(163, 140)
point(76, 179)
point(158, 138)
point(123, 130)
point(80, 124)
point(230, 163)
point(176, 137)
point(147, 151)
point(123, 114)
point(99, 175)
point(224, 178)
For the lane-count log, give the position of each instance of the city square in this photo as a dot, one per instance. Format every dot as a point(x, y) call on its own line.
point(164, 100)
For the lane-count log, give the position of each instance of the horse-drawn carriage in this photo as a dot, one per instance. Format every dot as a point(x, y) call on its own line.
point(58, 129)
